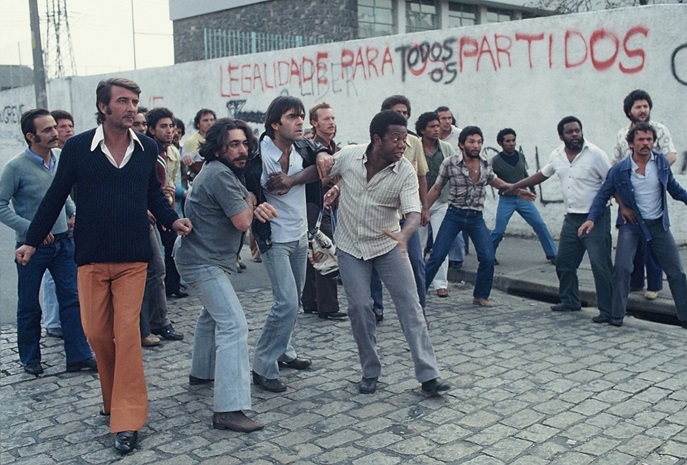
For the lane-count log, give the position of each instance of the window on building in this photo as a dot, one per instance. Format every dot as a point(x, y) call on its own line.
point(498, 16)
point(376, 18)
point(461, 14)
point(421, 15)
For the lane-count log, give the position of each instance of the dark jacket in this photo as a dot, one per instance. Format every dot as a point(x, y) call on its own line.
point(619, 180)
point(308, 151)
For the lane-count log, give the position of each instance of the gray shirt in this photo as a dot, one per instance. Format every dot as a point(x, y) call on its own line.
point(216, 195)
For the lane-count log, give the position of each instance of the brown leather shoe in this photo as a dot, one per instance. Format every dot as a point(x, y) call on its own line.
point(486, 303)
point(235, 421)
point(150, 341)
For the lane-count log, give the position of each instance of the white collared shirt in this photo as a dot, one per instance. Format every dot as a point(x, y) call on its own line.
point(291, 222)
point(99, 140)
point(647, 189)
point(580, 179)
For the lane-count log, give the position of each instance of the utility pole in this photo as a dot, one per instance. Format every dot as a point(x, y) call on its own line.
point(38, 67)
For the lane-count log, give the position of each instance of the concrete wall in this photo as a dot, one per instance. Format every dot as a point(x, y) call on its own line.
point(524, 74)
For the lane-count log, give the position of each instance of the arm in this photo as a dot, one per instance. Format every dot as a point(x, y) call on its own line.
point(412, 222)
point(523, 194)
point(536, 178)
point(242, 220)
point(281, 183)
point(625, 212)
point(424, 215)
point(8, 187)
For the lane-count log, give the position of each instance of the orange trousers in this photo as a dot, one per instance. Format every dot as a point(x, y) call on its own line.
point(110, 295)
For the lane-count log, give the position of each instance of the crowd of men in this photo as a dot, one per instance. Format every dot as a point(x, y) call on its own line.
point(108, 271)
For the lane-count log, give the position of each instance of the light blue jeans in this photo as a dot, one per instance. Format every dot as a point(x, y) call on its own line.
point(220, 342)
point(285, 265)
point(49, 304)
point(509, 204)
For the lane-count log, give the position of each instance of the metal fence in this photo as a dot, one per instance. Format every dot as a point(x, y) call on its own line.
point(222, 43)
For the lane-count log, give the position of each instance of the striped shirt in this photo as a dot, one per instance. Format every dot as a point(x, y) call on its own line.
point(365, 208)
point(463, 193)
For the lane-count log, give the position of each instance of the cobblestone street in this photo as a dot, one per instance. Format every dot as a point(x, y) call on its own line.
point(530, 387)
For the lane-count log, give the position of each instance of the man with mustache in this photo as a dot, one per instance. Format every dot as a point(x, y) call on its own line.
point(25, 181)
point(581, 168)
point(637, 107)
point(468, 174)
point(115, 172)
point(641, 182)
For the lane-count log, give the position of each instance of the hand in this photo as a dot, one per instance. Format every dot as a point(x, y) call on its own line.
point(331, 195)
point(264, 212)
point(182, 226)
point(151, 217)
point(187, 160)
point(251, 200)
point(23, 254)
point(279, 183)
point(169, 191)
point(627, 214)
point(400, 238)
point(526, 195)
point(586, 228)
point(507, 188)
point(49, 239)
point(424, 216)
point(324, 162)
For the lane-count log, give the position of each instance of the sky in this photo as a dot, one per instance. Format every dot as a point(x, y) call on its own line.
point(102, 35)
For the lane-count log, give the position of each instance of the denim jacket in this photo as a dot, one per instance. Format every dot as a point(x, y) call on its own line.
point(308, 150)
point(619, 180)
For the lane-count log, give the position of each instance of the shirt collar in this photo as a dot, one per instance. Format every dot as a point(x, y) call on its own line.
point(99, 137)
point(635, 165)
point(40, 160)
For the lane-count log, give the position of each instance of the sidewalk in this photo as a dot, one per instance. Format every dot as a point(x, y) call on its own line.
point(530, 387)
point(523, 270)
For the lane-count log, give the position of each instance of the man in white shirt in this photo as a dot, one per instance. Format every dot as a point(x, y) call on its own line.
point(581, 168)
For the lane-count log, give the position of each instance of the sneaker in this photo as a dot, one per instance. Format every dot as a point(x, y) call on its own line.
point(651, 295)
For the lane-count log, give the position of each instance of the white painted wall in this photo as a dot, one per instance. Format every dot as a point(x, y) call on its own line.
point(522, 74)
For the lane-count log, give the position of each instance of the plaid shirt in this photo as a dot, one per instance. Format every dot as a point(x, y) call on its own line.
point(463, 193)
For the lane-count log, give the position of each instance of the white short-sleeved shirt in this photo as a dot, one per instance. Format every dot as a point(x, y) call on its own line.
point(580, 179)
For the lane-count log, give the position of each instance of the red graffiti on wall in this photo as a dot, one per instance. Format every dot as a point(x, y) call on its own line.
point(315, 74)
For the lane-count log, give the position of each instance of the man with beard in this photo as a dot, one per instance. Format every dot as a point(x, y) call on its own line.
point(25, 182)
point(115, 172)
point(468, 175)
point(637, 106)
point(641, 182)
point(581, 168)
point(222, 210)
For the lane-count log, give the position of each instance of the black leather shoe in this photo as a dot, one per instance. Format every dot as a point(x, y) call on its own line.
point(193, 381)
point(84, 365)
point(379, 317)
point(178, 294)
point(615, 322)
point(367, 386)
point(435, 386)
point(296, 363)
point(235, 421)
point(54, 332)
point(272, 385)
point(333, 316)
point(33, 369)
point(309, 310)
point(169, 333)
point(601, 319)
point(125, 441)
point(564, 308)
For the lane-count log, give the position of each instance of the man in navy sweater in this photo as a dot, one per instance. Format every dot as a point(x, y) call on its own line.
point(115, 172)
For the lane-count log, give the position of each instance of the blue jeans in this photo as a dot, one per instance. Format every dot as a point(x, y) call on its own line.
point(457, 251)
point(57, 257)
point(397, 275)
point(663, 246)
point(571, 249)
point(417, 262)
point(285, 265)
point(456, 221)
point(646, 258)
point(220, 341)
point(50, 306)
point(508, 204)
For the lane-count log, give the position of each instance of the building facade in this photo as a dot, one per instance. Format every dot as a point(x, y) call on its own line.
point(216, 28)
